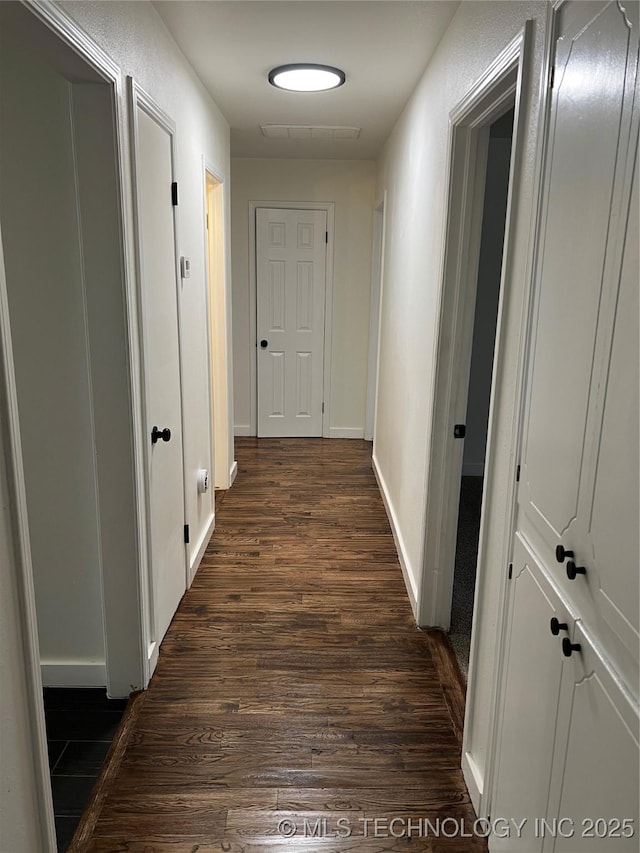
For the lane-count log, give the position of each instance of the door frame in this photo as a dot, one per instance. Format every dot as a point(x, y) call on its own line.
point(499, 89)
point(119, 657)
point(329, 207)
point(504, 84)
point(224, 467)
point(139, 99)
point(377, 271)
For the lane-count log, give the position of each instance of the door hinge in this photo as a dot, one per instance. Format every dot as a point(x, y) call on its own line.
point(552, 76)
point(174, 193)
point(323, 408)
point(326, 236)
point(510, 570)
point(207, 226)
point(459, 431)
point(518, 474)
point(186, 534)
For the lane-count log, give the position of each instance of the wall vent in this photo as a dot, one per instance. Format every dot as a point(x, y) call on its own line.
point(305, 131)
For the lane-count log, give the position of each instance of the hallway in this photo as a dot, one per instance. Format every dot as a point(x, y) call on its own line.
point(292, 684)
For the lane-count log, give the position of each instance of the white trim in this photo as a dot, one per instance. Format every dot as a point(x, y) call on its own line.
point(346, 432)
point(329, 207)
point(202, 547)
point(242, 430)
point(73, 674)
point(412, 590)
point(473, 780)
point(27, 617)
point(373, 364)
point(473, 469)
point(73, 36)
point(233, 473)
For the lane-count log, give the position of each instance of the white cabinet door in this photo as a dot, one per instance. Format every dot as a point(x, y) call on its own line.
point(594, 790)
point(290, 276)
point(531, 688)
point(579, 464)
point(579, 481)
point(585, 210)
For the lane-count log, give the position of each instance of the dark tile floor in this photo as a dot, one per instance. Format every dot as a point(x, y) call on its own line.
point(81, 724)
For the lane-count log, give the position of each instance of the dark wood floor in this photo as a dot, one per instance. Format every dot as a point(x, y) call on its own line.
point(292, 684)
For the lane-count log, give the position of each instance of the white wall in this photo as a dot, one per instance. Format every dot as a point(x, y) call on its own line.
point(351, 185)
point(40, 226)
point(135, 37)
point(413, 172)
point(486, 311)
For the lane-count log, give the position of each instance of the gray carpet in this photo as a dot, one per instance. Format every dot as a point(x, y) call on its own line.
point(464, 581)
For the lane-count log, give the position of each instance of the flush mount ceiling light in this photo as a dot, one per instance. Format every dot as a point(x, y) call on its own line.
point(304, 77)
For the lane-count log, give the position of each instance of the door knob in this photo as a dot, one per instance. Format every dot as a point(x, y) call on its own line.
point(264, 344)
point(557, 626)
point(573, 571)
point(157, 434)
point(561, 554)
point(568, 648)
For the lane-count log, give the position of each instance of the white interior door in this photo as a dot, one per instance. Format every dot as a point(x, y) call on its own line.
point(291, 282)
point(160, 332)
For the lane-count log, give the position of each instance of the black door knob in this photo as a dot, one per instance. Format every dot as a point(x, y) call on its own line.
point(568, 648)
point(157, 434)
point(561, 554)
point(573, 571)
point(556, 626)
point(264, 344)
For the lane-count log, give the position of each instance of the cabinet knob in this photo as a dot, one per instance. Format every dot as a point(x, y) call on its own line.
point(568, 648)
point(562, 554)
point(556, 626)
point(573, 571)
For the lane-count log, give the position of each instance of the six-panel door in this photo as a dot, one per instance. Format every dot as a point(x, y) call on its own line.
point(290, 279)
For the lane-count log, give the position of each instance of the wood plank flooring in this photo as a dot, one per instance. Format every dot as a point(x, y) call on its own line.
point(294, 695)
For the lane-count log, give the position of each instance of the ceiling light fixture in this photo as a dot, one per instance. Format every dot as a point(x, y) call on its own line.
point(304, 77)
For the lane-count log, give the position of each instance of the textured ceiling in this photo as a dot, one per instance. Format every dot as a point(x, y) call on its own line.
point(382, 45)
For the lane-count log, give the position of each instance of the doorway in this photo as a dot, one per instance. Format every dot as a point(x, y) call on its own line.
point(215, 258)
point(494, 211)
point(66, 346)
point(377, 265)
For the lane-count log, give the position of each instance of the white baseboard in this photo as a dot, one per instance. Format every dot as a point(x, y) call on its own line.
point(242, 430)
point(473, 469)
point(409, 582)
point(473, 780)
point(346, 432)
point(73, 674)
point(233, 473)
point(202, 547)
